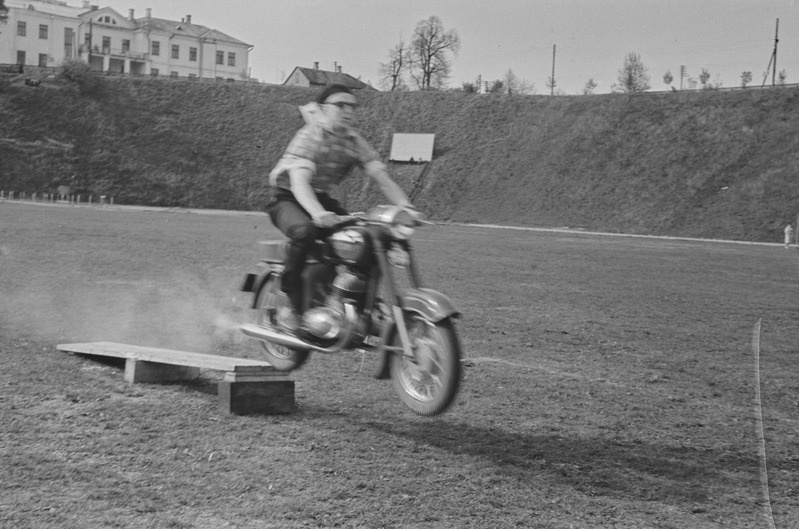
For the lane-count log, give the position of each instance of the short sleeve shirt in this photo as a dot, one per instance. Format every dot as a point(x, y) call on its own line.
point(332, 156)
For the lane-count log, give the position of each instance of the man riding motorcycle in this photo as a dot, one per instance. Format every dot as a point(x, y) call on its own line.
point(320, 155)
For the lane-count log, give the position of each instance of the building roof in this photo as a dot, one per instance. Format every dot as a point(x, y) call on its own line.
point(324, 78)
point(183, 28)
point(51, 7)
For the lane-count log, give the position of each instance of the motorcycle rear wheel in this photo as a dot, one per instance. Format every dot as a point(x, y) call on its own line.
point(270, 299)
point(428, 383)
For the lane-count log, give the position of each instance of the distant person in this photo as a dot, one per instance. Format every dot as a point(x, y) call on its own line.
point(321, 154)
point(788, 235)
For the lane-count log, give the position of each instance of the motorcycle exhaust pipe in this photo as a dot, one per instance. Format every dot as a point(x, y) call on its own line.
point(268, 335)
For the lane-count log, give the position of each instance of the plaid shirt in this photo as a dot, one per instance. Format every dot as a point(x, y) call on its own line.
point(330, 157)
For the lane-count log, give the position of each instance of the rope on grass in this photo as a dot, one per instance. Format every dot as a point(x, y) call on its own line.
point(759, 427)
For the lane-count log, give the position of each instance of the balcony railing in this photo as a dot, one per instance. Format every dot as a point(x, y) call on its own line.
point(115, 52)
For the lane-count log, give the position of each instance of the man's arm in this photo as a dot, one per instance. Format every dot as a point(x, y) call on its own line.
point(377, 171)
point(300, 178)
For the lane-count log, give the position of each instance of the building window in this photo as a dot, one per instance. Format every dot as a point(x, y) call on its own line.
point(156, 49)
point(87, 40)
point(173, 75)
point(175, 51)
point(192, 76)
point(231, 59)
point(20, 57)
point(106, 44)
point(220, 57)
point(69, 37)
point(125, 45)
point(22, 29)
point(193, 54)
point(154, 72)
point(42, 60)
point(43, 31)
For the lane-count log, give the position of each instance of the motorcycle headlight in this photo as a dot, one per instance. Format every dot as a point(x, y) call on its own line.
point(401, 223)
point(404, 225)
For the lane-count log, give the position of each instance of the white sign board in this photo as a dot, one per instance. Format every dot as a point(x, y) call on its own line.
point(412, 148)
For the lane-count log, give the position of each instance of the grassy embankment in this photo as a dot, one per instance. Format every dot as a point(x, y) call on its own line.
point(701, 163)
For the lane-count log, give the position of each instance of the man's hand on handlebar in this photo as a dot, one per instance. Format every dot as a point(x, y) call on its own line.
point(328, 219)
point(417, 215)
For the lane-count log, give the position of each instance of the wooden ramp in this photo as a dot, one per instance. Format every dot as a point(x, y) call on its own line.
point(249, 386)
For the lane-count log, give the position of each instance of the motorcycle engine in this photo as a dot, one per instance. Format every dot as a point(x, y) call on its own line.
point(327, 322)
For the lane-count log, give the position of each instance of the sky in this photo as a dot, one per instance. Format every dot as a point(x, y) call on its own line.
point(590, 38)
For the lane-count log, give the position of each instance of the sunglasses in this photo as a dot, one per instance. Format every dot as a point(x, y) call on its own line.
point(344, 104)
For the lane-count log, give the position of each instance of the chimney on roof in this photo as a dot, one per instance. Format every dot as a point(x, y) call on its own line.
point(335, 66)
point(338, 69)
point(188, 19)
point(130, 15)
point(316, 65)
point(148, 13)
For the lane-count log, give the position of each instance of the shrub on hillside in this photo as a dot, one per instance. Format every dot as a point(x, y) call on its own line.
point(81, 74)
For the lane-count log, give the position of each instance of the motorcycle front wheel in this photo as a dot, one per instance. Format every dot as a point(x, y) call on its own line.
point(428, 383)
point(270, 299)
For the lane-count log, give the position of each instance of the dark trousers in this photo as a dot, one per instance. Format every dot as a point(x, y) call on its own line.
point(295, 223)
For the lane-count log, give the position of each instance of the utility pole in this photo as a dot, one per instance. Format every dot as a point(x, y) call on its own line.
point(682, 75)
point(552, 79)
point(772, 62)
point(776, 40)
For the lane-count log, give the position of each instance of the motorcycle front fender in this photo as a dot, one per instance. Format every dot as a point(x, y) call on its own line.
point(430, 305)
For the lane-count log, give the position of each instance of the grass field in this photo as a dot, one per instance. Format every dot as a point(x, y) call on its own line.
point(609, 382)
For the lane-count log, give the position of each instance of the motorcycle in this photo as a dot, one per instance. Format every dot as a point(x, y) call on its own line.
point(355, 298)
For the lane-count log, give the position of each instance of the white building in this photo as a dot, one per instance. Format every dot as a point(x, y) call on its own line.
point(44, 33)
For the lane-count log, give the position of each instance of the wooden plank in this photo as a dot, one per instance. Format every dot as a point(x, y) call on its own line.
point(168, 356)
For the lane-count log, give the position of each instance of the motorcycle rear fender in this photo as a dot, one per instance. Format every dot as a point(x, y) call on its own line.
point(255, 279)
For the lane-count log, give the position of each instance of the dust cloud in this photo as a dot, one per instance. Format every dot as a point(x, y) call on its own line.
point(179, 312)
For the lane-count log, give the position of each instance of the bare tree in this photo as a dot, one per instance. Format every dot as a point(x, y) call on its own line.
point(633, 76)
point(746, 78)
point(431, 51)
point(513, 84)
point(782, 77)
point(668, 78)
point(393, 71)
point(551, 84)
point(3, 12)
point(589, 87)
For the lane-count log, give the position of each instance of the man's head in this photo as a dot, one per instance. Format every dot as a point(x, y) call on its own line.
point(338, 103)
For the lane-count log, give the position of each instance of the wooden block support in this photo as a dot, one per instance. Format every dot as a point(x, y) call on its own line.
point(267, 396)
point(141, 371)
point(248, 386)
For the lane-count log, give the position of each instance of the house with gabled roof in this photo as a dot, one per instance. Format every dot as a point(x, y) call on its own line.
point(314, 77)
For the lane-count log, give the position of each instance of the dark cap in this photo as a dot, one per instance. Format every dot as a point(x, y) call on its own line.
point(330, 90)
